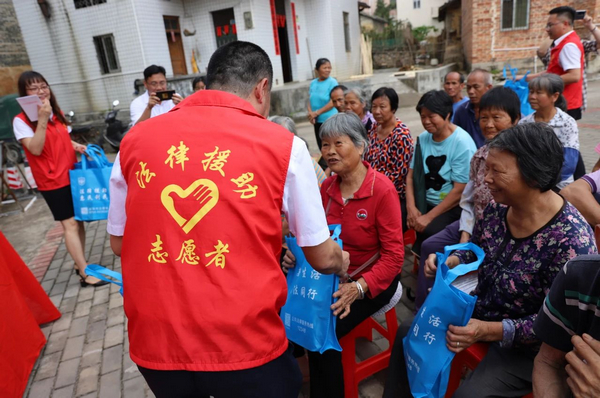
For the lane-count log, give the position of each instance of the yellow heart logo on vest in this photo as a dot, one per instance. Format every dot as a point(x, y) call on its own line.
point(194, 202)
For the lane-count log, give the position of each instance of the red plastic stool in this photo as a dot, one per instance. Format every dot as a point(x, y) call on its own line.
point(355, 372)
point(468, 358)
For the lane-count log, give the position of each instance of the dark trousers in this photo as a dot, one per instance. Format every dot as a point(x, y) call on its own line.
point(317, 136)
point(326, 371)
point(404, 214)
point(574, 113)
point(280, 378)
point(436, 225)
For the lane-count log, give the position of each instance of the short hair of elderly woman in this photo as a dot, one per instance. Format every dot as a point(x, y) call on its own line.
point(389, 93)
point(538, 150)
point(502, 99)
point(345, 124)
point(551, 84)
point(436, 101)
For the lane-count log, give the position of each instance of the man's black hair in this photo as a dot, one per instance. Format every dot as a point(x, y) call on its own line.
point(339, 87)
point(153, 70)
point(565, 12)
point(237, 67)
point(436, 101)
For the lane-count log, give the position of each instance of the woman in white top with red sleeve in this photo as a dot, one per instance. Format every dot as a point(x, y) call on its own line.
point(51, 154)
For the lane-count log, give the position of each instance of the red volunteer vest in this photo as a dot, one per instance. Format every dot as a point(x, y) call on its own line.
point(200, 254)
point(51, 168)
point(573, 92)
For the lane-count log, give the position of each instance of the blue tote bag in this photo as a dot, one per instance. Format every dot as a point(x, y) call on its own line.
point(307, 316)
point(89, 185)
point(521, 87)
point(427, 358)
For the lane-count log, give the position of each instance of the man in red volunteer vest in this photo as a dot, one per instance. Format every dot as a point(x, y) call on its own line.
point(566, 57)
point(196, 199)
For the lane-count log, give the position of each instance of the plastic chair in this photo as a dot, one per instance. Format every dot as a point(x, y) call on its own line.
point(468, 358)
point(355, 372)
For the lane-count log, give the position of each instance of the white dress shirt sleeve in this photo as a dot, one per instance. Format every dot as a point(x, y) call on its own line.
point(302, 203)
point(570, 57)
point(117, 215)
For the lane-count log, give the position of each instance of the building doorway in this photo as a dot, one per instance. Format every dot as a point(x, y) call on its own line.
point(284, 43)
point(175, 45)
point(225, 28)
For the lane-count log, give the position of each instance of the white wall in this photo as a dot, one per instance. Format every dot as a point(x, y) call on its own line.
point(62, 47)
point(422, 16)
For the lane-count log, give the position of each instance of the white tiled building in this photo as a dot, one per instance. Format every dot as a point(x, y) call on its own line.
point(420, 12)
point(91, 51)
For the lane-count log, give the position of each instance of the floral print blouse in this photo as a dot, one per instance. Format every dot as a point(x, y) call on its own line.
point(392, 155)
point(516, 274)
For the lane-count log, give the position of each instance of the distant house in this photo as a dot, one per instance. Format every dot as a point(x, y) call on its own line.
point(91, 51)
point(498, 32)
point(420, 12)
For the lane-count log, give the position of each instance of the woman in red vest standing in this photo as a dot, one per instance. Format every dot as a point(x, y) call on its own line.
point(51, 154)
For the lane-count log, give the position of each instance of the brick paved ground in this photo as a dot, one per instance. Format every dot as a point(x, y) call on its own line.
point(87, 350)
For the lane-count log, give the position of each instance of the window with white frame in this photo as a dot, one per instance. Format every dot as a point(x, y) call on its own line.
point(416, 4)
point(87, 3)
point(107, 54)
point(347, 32)
point(515, 14)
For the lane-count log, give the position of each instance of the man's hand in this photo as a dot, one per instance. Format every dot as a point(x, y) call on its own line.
point(583, 367)
point(153, 100)
point(289, 260)
point(588, 22)
point(343, 273)
point(177, 98)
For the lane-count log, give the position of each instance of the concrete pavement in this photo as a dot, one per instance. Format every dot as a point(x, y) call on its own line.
point(87, 354)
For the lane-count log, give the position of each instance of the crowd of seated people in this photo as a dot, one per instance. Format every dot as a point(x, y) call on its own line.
point(474, 174)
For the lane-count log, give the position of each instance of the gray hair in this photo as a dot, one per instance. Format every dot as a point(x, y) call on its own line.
point(348, 124)
point(552, 84)
point(286, 122)
point(360, 94)
point(487, 76)
point(548, 82)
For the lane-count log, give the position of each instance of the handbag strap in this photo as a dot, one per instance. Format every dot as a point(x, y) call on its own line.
point(463, 269)
point(366, 264)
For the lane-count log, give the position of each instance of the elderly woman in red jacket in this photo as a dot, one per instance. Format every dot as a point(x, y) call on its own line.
point(365, 203)
point(51, 154)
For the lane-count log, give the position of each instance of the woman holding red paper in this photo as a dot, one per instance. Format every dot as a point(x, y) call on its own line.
point(51, 154)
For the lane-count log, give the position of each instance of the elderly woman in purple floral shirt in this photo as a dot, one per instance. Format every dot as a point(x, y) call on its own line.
point(528, 235)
